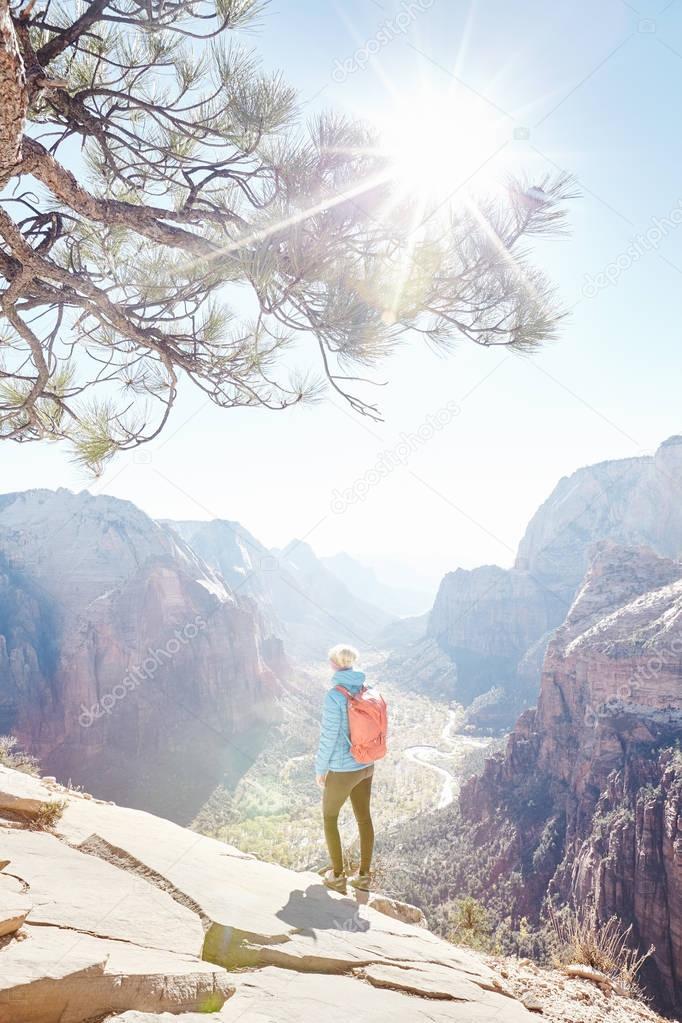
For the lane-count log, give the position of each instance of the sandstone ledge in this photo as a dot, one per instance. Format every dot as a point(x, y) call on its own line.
point(125, 913)
point(131, 918)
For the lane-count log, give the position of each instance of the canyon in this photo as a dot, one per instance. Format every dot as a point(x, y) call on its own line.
point(92, 590)
point(151, 659)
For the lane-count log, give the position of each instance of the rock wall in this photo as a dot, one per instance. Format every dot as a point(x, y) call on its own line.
point(125, 662)
point(27, 647)
point(590, 786)
point(485, 621)
point(241, 560)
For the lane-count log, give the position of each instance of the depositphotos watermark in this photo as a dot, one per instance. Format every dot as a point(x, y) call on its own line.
point(640, 245)
point(594, 713)
point(394, 457)
point(384, 35)
point(143, 672)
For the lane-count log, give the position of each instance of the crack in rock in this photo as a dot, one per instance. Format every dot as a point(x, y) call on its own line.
point(97, 846)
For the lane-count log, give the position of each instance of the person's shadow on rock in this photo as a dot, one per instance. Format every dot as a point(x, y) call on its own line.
point(315, 909)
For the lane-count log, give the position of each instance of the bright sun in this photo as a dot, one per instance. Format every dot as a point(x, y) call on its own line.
point(437, 144)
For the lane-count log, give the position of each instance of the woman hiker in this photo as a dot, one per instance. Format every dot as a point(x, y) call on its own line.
point(352, 737)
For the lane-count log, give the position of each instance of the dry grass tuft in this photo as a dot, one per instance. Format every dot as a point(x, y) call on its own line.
point(11, 756)
point(604, 947)
point(48, 815)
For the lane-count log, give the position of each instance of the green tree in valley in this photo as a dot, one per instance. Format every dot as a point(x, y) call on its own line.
point(471, 925)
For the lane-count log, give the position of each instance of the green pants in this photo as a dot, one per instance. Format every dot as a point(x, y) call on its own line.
point(337, 788)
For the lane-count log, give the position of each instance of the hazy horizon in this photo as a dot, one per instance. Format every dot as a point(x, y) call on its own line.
point(391, 568)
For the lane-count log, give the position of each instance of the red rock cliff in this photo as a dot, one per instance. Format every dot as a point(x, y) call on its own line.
point(591, 781)
point(125, 663)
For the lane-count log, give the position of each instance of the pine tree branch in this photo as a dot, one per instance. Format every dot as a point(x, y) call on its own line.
point(84, 294)
point(144, 220)
point(65, 37)
point(120, 293)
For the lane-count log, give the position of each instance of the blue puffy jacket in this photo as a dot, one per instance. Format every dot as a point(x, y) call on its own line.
point(334, 751)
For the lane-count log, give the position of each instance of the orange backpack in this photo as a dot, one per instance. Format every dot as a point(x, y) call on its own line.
point(368, 724)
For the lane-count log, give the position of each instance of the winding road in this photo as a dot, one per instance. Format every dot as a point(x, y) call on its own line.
point(454, 745)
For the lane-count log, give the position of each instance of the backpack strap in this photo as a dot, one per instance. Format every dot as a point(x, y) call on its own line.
point(350, 696)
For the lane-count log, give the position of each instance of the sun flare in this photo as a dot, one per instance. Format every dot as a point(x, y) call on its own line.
point(437, 145)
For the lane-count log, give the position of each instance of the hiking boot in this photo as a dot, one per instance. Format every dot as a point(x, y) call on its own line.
point(337, 882)
point(362, 882)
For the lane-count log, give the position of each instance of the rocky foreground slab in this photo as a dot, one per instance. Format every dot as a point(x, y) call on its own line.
point(119, 915)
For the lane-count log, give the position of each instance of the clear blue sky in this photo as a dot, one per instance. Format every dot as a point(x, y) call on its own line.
point(597, 86)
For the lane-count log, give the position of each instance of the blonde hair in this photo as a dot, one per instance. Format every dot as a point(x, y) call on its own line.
point(343, 656)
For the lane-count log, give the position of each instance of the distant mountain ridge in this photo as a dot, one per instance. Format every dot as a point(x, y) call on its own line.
point(239, 558)
point(365, 584)
point(318, 608)
point(302, 601)
point(493, 623)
